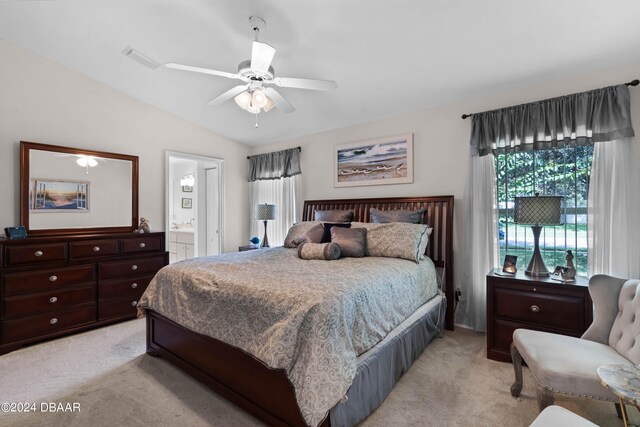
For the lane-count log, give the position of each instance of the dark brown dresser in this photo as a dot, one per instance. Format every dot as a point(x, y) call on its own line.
point(542, 304)
point(56, 285)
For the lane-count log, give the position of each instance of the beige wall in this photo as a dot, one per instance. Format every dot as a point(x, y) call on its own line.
point(41, 101)
point(441, 139)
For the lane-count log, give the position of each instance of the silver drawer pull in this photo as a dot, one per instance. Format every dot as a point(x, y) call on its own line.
point(535, 308)
point(134, 303)
point(142, 245)
point(53, 278)
point(38, 253)
point(53, 321)
point(96, 249)
point(134, 267)
point(53, 299)
point(134, 285)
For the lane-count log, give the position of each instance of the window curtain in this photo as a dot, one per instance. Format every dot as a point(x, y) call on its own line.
point(583, 118)
point(275, 179)
point(599, 116)
point(614, 206)
point(480, 245)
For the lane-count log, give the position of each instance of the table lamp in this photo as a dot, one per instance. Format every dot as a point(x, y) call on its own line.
point(265, 212)
point(537, 211)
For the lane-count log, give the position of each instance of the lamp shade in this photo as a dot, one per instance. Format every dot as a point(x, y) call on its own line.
point(265, 212)
point(538, 210)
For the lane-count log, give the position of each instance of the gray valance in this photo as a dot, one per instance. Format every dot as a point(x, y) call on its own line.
point(579, 119)
point(276, 165)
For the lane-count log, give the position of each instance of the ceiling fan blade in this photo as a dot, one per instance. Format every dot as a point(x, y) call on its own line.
point(202, 70)
point(282, 104)
point(261, 56)
point(234, 91)
point(305, 83)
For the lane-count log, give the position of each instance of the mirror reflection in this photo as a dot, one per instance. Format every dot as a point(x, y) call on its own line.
point(78, 189)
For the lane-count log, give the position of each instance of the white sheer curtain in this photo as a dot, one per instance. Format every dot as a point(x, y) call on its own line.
point(614, 210)
point(480, 241)
point(285, 194)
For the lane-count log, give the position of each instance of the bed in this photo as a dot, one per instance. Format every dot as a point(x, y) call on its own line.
point(327, 384)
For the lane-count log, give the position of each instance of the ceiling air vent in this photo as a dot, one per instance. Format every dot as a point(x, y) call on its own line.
point(140, 58)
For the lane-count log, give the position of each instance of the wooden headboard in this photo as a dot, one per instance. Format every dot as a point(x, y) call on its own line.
point(438, 213)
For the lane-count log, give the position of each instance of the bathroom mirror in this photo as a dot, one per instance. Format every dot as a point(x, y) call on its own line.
point(67, 190)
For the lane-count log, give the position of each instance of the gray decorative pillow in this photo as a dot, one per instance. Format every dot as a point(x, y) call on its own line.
point(394, 239)
point(399, 215)
point(352, 241)
point(424, 242)
point(333, 216)
point(326, 251)
point(313, 235)
point(297, 231)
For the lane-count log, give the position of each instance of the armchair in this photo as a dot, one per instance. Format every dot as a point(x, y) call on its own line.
point(567, 365)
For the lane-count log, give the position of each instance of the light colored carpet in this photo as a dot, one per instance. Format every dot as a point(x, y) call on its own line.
point(117, 384)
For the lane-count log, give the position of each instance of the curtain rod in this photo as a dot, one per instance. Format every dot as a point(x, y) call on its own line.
point(298, 147)
point(635, 82)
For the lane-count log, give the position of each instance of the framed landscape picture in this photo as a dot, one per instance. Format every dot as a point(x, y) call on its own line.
point(376, 162)
point(53, 195)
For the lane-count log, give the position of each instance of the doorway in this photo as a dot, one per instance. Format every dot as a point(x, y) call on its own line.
point(194, 205)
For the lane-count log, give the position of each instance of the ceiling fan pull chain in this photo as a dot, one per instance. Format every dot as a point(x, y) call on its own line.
point(256, 120)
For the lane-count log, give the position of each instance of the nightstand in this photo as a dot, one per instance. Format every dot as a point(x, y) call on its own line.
point(538, 303)
point(248, 248)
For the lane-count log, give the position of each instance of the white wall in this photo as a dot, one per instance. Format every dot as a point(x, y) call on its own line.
point(41, 101)
point(441, 143)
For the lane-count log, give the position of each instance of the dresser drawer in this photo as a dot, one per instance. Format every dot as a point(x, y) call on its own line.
point(93, 249)
point(130, 267)
point(40, 302)
point(142, 244)
point(33, 254)
point(42, 325)
point(118, 308)
point(544, 309)
point(123, 287)
point(41, 280)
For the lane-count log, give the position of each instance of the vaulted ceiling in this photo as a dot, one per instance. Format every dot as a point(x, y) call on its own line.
point(388, 57)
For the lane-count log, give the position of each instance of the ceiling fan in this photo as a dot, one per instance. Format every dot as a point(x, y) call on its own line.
point(257, 93)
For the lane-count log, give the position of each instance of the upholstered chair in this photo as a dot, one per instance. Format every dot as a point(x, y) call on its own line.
point(567, 365)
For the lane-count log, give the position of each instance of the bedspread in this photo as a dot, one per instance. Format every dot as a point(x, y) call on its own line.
point(311, 318)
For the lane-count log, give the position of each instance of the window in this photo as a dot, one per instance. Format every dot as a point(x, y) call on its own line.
point(284, 193)
point(562, 171)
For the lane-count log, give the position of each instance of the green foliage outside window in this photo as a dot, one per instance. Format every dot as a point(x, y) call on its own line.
point(562, 171)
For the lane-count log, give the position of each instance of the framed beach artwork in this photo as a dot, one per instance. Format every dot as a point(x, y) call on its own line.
point(52, 195)
point(376, 162)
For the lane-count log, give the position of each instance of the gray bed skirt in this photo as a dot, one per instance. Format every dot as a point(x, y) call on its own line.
point(380, 368)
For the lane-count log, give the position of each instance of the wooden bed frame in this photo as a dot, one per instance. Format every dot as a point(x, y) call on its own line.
point(248, 382)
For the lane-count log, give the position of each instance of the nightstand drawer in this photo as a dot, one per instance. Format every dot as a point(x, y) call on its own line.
point(550, 310)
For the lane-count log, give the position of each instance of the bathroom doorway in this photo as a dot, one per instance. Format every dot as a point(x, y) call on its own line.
point(194, 189)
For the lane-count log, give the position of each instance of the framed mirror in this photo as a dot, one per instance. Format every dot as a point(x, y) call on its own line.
point(67, 190)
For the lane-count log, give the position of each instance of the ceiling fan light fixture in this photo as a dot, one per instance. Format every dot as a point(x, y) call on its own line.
point(243, 100)
point(253, 109)
point(270, 105)
point(86, 161)
point(258, 98)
